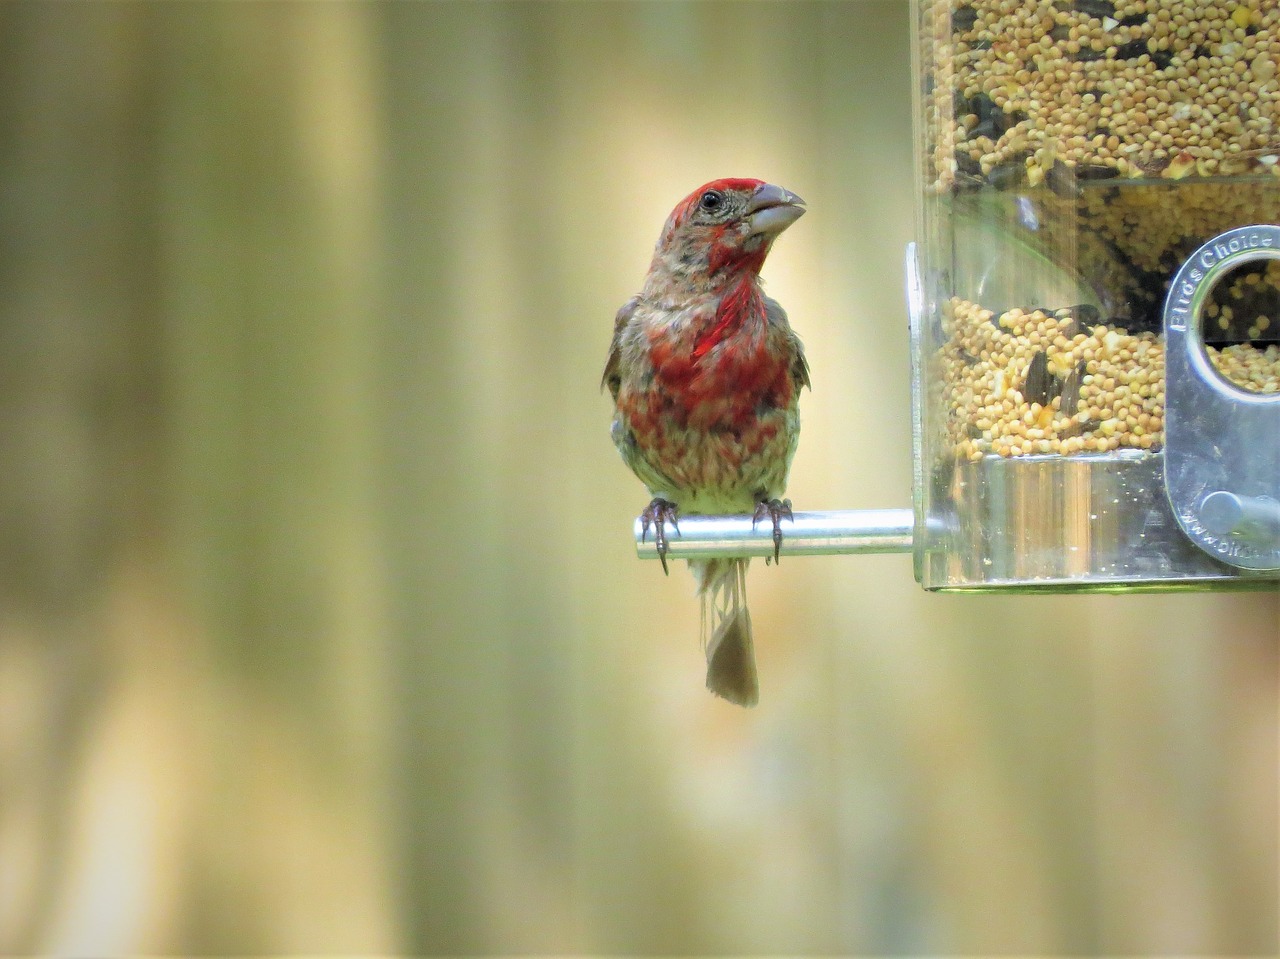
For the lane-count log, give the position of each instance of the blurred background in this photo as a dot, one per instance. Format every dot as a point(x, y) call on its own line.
point(321, 627)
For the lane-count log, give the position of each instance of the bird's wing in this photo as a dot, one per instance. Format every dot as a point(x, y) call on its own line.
point(776, 317)
point(612, 378)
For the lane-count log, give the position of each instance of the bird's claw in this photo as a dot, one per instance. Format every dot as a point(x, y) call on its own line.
point(657, 514)
point(776, 510)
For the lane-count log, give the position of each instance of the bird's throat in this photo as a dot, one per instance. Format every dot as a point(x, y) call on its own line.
point(739, 306)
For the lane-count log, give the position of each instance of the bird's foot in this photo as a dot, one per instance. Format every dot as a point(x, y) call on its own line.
point(776, 510)
point(657, 514)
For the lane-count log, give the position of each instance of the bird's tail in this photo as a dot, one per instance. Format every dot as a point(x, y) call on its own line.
point(726, 629)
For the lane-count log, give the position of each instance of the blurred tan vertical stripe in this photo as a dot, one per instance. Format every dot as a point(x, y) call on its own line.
point(268, 159)
point(203, 309)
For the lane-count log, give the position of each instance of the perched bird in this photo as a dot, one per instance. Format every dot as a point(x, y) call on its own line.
point(705, 375)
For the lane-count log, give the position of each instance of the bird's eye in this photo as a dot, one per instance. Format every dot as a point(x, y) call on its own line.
point(711, 201)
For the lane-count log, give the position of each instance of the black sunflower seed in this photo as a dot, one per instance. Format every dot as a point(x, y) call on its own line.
point(1131, 50)
point(1008, 174)
point(1061, 179)
point(1071, 390)
point(1087, 55)
point(1096, 171)
point(1095, 8)
point(1086, 314)
point(1040, 385)
point(963, 19)
point(983, 106)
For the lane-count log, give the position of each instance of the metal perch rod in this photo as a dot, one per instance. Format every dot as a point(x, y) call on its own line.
point(808, 534)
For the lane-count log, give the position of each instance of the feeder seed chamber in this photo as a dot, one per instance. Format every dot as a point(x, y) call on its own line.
point(1094, 303)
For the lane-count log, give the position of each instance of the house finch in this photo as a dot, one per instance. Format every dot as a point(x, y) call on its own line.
point(705, 374)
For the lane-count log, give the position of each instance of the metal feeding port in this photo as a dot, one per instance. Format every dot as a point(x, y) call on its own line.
point(1222, 442)
point(1094, 301)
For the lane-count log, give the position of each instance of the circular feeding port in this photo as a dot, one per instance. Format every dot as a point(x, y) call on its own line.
point(1240, 326)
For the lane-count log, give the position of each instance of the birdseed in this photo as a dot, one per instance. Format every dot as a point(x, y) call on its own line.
point(1133, 89)
point(1021, 382)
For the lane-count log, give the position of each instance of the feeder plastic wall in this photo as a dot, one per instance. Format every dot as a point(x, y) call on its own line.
point(1073, 157)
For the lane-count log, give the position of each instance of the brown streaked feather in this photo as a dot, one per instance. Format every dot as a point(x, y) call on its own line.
point(799, 365)
point(612, 377)
point(776, 316)
point(731, 661)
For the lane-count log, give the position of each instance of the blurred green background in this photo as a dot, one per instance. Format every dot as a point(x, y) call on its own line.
point(321, 627)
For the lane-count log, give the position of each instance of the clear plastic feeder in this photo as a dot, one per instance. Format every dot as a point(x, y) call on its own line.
point(1096, 384)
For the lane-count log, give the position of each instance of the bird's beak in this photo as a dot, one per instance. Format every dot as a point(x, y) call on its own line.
point(772, 209)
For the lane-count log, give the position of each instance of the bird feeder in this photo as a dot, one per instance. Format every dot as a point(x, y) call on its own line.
point(1094, 303)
